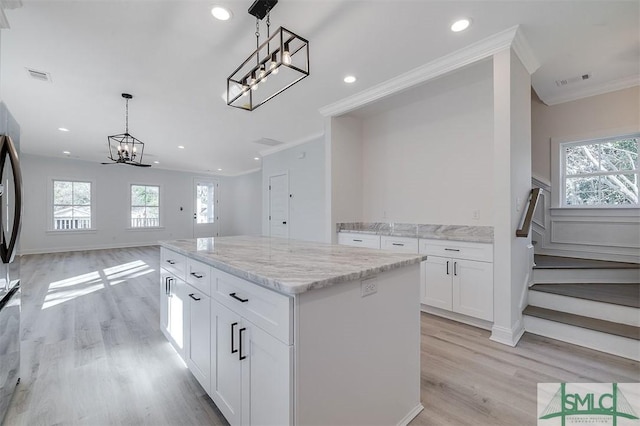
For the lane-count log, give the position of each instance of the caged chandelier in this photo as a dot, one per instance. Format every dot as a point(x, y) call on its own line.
point(124, 148)
point(276, 64)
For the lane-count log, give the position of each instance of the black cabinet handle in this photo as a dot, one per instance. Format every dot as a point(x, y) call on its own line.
point(166, 285)
point(233, 350)
point(240, 356)
point(448, 249)
point(171, 262)
point(447, 267)
point(193, 297)
point(197, 275)
point(455, 268)
point(358, 241)
point(284, 222)
point(397, 244)
point(238, 298)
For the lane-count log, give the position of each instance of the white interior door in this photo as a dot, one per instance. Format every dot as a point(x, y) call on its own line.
point(279, 205)
point(205, 208)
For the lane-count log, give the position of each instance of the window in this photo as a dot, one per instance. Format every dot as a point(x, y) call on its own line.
point(600, 173)
point(71, 205)
point(145, 206)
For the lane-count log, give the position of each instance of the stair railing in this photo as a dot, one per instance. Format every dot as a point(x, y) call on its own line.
point(531, 208)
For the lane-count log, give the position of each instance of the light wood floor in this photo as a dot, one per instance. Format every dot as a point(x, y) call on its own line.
point(93, 354)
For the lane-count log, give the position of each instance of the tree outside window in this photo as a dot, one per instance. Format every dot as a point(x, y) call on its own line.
point(601, 173)
point(145, 206)
point(71, 205)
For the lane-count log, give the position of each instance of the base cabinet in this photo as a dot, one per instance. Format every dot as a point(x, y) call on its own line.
point(198, 335)
point(251, 383)
point(172, 310)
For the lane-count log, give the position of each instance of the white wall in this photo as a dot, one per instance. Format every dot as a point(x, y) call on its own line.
point(305, 165)
point(430, 160)
point(596, 114)
point(111, 194)
point(241, 200)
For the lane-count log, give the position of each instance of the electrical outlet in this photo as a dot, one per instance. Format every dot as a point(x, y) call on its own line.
point(369, 286)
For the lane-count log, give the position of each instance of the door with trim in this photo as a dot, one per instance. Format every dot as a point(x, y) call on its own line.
point(279, 205)
point(205, 208)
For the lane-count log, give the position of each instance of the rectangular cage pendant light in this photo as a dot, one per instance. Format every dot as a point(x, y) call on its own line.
point(277, 64)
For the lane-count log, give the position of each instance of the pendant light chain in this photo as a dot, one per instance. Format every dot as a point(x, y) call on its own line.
point(257, 41)
point(126, 117)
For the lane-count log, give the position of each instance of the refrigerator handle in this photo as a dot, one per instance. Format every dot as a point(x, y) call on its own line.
point(8, 149)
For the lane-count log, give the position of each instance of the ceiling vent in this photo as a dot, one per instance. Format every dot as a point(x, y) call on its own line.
point(39, 75)
point(573, 80)
point(268, 142)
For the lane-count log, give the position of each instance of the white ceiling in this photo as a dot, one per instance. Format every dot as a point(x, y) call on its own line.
point(174, 57)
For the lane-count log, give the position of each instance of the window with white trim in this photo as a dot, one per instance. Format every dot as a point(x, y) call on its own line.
point(600, 172)
point(145, 206)
point(72, 205)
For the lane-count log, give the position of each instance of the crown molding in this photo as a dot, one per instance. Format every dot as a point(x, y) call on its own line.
point(284, 147)
point(473, 53)
point(522, 48)
point(600, 89)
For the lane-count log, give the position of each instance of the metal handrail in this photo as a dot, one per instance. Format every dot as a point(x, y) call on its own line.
point(526, 224)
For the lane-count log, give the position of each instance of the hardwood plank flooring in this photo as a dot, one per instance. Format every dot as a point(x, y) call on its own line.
point(93, 354)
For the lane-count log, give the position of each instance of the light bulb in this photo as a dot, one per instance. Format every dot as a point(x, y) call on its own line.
point(286, 56)
point(274, 64)
point(134, 149)
point(253, 83)
point(263, 73)
point(119, 148)
point(126, 147)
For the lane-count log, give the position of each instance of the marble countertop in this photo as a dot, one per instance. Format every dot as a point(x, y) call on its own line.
point(476, 234)
point(290, 266)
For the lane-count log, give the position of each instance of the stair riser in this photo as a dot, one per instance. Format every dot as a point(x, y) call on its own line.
point(565, 276)
point(616, 345)
point(587, 308)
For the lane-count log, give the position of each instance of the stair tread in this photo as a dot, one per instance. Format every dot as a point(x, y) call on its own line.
point(616, 294)
point(603, 326)
point(558, 262)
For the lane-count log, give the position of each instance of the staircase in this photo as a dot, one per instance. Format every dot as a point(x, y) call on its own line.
point(589, 303)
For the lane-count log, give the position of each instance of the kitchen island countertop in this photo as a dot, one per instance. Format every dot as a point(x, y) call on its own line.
point(290, 266)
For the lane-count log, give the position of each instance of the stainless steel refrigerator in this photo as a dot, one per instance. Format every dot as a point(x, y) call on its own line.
point(10, 217)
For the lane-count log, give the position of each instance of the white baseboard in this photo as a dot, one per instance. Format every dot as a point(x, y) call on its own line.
point(85, 248)
point(411, 415)
point(508, 336)
point(456, 317)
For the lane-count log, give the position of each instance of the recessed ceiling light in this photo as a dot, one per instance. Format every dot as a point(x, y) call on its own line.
point(219, 170)
point(349, 79)
point(221, 13)
point(66, 152)
point(460, 25)
point(180, 146)
point(256, 158)
point(63, 129)
point(156, 162)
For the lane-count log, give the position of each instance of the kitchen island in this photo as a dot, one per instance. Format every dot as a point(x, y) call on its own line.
point(280, 331)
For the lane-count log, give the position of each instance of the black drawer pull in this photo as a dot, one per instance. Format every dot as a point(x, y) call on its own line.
point(447, 267)
point(455, 268)
point(197, 275)
point(240, 356)
point(193, 297)
point(238, 298)
point(398, 244)
point(448, 249)
point(171, 262)
point(358, 241)
point(233, 351)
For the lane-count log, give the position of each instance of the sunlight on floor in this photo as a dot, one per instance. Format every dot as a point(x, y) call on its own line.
point(81, 285)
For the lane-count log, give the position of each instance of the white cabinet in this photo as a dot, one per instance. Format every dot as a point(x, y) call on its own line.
point(198, 335)
point(399, 244)
point(359, 240)
point(172, 310)
point(454, 282)
point(252, 380)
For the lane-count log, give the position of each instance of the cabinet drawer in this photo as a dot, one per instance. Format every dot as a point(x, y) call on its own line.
point(457, 249)
point(199, 276)
point(359, 240)
point(173, 262)
point(265, 308)
point(401, 244)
